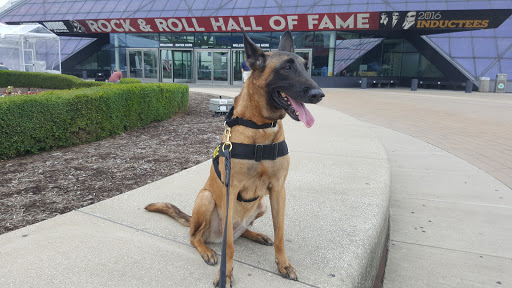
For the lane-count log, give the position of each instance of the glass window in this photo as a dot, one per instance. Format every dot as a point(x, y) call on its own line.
point(491, 73)
point(76, 7)
point(88, 6)
point(416, 6)
point(485, 47)
point(64, 8)
point(243, 4)
point(318, 9)
point(468, 64)
point(320, 61)
point(501, 4)
point(158, 5)
point(239, 12)
point(141, 40)
point(503, 44)
point(323, 39)
point(443, 43)
point(358, 8)
point(506, 67)
point(504, 30)
point(458, 5)
point(271, 11)
point(483, 33)
point(177, 38)
point(437, 5)
point(34, 10)
point(461, 47)
point(427, 70)
point(303, 39)
point(482, 64)
point(481, 5)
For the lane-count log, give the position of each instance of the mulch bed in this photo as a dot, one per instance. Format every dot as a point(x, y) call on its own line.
point(37, 187)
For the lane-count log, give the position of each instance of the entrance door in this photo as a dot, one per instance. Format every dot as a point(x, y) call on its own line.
point(212, 66)
point(306, 55)
point(238, 56)
point(142, 64)
point(176, 65)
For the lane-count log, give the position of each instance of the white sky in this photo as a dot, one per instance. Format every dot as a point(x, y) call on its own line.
point(2, 2)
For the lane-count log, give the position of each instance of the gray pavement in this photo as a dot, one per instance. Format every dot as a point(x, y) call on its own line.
point(450, 221)
point(336, 223)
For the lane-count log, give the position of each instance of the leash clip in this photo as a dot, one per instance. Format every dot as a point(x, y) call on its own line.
point(227, 133)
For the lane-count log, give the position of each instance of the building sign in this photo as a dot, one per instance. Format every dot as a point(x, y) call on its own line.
point(446, 20)
point(426, 21)
point(178, 45)
point(262, 23)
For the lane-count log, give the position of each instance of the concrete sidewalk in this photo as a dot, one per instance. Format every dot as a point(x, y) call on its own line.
point(336, 223)
point(450, 221)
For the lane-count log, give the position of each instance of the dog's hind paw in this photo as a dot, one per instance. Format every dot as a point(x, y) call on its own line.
point(258, 237)
point(264, 240)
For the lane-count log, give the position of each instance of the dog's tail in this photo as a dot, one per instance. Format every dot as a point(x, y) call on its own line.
point(170, 210)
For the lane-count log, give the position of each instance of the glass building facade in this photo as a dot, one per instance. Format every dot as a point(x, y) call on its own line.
point(336, 58)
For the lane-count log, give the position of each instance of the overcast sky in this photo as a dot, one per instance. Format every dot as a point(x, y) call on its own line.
point(2, 2)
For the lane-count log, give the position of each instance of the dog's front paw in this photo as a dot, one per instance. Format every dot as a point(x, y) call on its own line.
point(287, 271)
point(229, 280)
point(210, 257)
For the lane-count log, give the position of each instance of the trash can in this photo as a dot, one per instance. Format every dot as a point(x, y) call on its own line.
point(501, 83)
point(364, 83)
point(84, 74)
point(414, 84)
point(485, 84)
point(469, 86)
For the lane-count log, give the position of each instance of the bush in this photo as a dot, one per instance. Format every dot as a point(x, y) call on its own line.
point(44, 80)
point(129, 81)
point(32, 123)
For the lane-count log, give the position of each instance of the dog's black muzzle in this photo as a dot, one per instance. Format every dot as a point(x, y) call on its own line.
point(315, 96)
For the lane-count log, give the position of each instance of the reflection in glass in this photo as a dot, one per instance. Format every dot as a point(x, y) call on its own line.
point(220, 66)
point(204, 65)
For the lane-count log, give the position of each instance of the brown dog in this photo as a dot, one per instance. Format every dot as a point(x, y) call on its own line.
point(279, 85)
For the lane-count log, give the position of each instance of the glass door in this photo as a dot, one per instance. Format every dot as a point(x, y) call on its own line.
point(212, 66)
point(176, 65)
point(306, 55)
point(182, 65)
point(142, 64)
point(237, 59)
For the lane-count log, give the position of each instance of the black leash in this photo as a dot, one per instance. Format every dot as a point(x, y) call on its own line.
point(227, 167)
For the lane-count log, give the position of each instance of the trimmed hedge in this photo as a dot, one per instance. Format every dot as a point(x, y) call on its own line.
point(44, 80)
point(32, 123)
point(129, 81)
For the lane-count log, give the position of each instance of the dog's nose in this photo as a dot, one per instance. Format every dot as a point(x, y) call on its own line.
point(316, 95)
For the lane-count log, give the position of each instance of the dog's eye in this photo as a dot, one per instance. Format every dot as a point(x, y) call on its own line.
point(287, 67)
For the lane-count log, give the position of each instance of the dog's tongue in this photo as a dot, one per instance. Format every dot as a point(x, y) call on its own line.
point(304, 114)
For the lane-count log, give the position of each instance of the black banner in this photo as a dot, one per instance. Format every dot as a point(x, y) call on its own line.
point(443, 19)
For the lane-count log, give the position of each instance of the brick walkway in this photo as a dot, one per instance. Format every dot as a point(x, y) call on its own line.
point(476, 127)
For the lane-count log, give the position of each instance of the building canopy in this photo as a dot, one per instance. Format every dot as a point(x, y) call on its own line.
point(29, 48)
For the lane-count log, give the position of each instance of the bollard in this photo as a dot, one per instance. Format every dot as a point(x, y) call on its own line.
point(84, 74)
point(469, 86)
point(414, 84)
point(364, 83)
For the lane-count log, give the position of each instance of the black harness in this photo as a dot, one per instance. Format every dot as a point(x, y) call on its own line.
point(256, 152)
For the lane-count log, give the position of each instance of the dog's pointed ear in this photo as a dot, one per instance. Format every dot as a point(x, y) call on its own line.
point(286, 43)
point(254, 56)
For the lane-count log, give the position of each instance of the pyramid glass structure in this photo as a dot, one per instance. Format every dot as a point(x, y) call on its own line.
point(471, 53)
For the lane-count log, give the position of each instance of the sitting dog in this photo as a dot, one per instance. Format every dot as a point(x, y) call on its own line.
point(279, 85)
